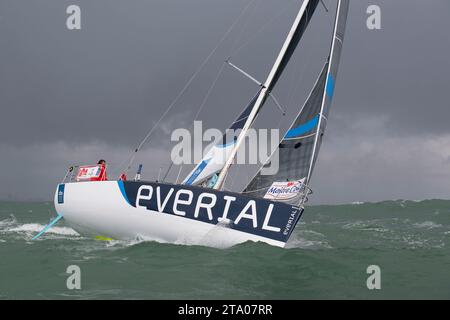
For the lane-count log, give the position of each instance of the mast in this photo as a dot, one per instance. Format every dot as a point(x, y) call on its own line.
point(280, 63)
point(338, 37)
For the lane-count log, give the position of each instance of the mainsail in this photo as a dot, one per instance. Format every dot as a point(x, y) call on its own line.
point(220, 157)
point(293, 38)
point(298, 149)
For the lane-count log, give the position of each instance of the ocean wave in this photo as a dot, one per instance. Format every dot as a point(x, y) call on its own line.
point(36, 227)
point(361, 225)
point(308, 239)
point(427, 225)
point(417, 242)
point(301, 243)
point(118, 244)
point(8, 222)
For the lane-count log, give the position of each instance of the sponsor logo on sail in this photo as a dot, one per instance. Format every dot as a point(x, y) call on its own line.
point(285, 190)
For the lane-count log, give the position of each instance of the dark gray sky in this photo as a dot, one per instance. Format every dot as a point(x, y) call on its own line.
point(75, 96)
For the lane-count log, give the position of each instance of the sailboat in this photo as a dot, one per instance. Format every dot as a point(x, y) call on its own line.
point(266, 210)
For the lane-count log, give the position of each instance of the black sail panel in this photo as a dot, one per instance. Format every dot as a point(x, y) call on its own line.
point(304, 22)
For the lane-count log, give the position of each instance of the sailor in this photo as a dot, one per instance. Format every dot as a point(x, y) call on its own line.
point(102, 164)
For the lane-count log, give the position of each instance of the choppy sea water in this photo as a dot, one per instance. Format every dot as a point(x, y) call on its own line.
point(326, 258)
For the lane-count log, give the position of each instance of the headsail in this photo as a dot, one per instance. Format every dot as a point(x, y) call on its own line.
point(298, 149)
point(215, 159)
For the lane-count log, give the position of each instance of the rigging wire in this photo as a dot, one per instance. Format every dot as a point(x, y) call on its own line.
point(269, 22)
point(233, 51)
point(213, 84)
point(191, 79)
point(202, 105)
point(296, 64)
point(244, 27)
point(261, 29)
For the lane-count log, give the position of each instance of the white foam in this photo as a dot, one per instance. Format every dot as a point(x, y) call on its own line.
point(427, 225)
point(355, 225)
point(126, 243)
point(308, 239)
point(8, 222)
point(36, 227)
point(307, 244)
point(377, 225)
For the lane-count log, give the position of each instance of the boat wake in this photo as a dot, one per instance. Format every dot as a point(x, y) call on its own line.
point(308, 239)
point(28, 230)
point(33, 228)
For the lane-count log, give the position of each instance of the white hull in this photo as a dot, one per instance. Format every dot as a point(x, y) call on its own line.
point(99, 209)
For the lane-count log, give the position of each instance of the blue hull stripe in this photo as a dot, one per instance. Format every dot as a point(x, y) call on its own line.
point(122, 190)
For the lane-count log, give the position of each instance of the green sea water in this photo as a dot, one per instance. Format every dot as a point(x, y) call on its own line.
point(327, 258)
